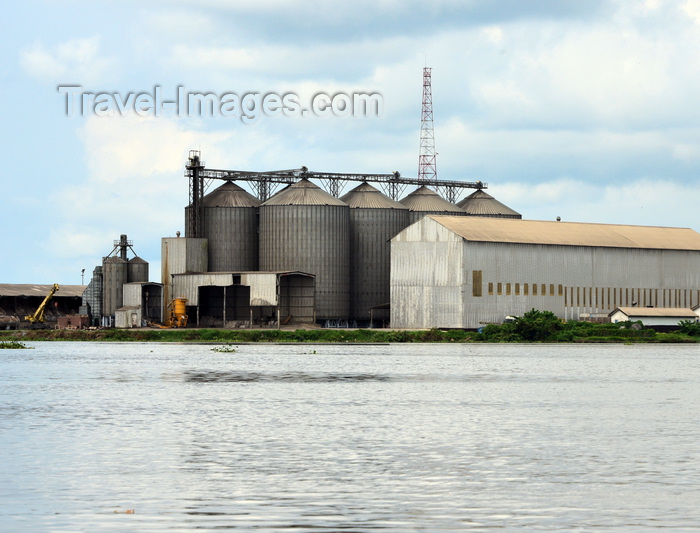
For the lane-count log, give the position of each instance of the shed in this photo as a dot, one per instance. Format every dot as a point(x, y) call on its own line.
point(653, 316)
point(463, 272)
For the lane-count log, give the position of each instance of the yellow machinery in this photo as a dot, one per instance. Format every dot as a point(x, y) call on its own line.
point(178, 313)
point(38, 315)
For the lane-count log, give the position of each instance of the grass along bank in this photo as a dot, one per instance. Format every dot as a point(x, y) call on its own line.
point(534, 326)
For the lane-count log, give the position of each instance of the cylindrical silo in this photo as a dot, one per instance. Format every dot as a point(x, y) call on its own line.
point(481, 204)
point(374, 220)
point(114, 276)
point(231, 226)
point(303, 228)
point(424, 201)
point(136, 270)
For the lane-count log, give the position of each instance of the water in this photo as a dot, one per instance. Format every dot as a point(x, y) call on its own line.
point(349, 438)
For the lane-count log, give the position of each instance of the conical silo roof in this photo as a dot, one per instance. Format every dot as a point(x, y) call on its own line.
point(481, 204)
point(425, 199)
point(230, 195)
point(303, 192)
point(364, 196)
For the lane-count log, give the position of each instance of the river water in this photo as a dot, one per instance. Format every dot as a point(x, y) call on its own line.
point(419, 437)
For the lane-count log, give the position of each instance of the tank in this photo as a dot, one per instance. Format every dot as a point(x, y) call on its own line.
point(425, 201)
point(303, 228)
point(230, 217)
point(114, 275)
point(136, 270)
point(374, 220)
point(481, 204)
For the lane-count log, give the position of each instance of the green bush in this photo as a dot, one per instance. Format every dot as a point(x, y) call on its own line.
point(690, 327)
point(537, 325)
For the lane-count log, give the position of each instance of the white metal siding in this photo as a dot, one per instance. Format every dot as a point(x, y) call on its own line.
point(424, 258)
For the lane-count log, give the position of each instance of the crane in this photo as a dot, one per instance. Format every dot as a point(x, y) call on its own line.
point(38, 315)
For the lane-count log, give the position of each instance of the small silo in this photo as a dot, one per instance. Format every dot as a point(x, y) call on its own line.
point(303, 228)
point(230, 224)
point(136, 270)
point(481, 204)
point(424, 201)
point(114, 276)
point(374, 220)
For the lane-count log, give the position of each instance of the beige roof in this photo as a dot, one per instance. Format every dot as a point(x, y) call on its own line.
point(483, 204)
point(7, 289)
point(230, 195)
point(303, 192)
point(367, 197)
point(512, 230)
point(425, 199)
point(672, 312)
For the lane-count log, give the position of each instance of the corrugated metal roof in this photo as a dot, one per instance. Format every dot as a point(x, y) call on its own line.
point(672, 312)
point(511, 230)
point(367, 197)
point(230, 195)
point(480, 203)
point(303, 192)
point(425, 199)
point(42, 291)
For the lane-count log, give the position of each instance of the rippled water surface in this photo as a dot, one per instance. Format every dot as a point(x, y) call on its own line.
point(152, 437)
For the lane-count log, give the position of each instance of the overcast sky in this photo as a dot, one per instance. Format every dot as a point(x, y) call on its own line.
point(585, 110)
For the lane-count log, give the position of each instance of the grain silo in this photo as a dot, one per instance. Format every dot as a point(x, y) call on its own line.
point(424, 201)
point(114, 276)
point(231, 224)
point(481, 204)
point(374, 220)
point(136, 270)
point(303, 228)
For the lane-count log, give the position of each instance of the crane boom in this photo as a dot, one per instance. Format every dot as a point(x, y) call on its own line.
point(38, 315)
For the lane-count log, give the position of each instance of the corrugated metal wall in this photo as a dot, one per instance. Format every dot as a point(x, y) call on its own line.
point(313, 239)
point(570, 281)
point(114, 275)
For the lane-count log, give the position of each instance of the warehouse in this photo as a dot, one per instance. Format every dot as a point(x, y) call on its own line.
point(464, 272)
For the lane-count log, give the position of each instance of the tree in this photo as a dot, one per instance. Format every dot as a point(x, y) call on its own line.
point(537, 325)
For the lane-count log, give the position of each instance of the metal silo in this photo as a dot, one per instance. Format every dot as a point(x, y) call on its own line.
point(231, 225)
point(481, 204)
point(374, 220)
point(303, 228)
point(114, 276)
point(136, 270)
point(424, 201)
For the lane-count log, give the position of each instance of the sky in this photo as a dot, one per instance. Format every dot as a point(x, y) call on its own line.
point(581, 110)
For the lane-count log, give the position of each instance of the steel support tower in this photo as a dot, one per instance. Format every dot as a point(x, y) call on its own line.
point(427, 167)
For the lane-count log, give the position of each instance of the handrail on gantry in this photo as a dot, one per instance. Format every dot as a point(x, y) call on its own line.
point(264, 184)
point(327, 178)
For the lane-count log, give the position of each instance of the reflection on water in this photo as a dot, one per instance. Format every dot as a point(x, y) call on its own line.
point(350, 438)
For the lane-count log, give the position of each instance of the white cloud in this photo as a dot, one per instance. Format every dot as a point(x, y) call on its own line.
point(76, 60)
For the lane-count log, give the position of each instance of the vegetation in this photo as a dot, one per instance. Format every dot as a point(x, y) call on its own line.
point(533, 326)
point(13, 345)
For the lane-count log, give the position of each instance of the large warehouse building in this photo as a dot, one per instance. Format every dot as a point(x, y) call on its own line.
point(464, 272)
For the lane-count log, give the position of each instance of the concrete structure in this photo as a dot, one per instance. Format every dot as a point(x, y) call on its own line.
point(128, 317)
point(374, 220)
point(653, 316)
point(180, 255)
point(245, 299)
point(463, 272)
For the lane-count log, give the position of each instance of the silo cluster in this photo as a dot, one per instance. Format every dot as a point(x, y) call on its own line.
point(344, 242)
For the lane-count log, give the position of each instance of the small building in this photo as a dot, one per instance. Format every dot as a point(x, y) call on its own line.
point(247, 299)
point(653, 316)
point(464, 272)
point(128, 317)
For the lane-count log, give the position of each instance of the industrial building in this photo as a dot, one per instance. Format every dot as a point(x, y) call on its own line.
point(464, 272)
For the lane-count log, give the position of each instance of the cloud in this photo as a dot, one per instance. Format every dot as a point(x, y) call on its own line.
point(76, 60)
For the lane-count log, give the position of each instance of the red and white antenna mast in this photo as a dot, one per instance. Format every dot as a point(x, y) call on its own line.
point(427, 168)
